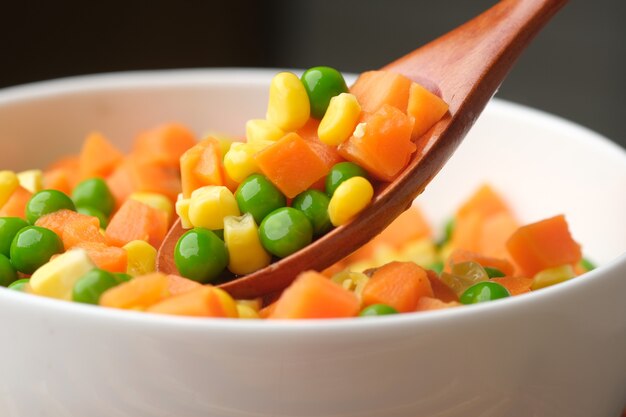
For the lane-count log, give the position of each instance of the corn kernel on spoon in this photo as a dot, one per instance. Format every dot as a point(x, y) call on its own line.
point(467, 65)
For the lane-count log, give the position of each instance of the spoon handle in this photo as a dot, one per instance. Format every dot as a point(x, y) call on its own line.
point(473, 59)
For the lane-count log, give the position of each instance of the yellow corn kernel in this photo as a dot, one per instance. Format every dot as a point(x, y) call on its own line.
point(227, 302)
point(157, 201)
point(351, 281)
point(247, 312)
point(141, 257)
point(349, 199)
point(56, 279)
point(340, 119)
point(239, 161)
point(260, 131)
point(256, 303)
point(552, 276)
point(32, 180)
point(8, 184)
point(210, 204)
point(422, 251)
point(288, 106)
point(182, 209)
point(246, 254)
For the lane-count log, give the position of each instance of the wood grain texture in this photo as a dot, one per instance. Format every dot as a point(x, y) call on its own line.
point(466, 66)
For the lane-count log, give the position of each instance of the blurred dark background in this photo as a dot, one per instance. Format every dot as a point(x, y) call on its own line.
point(576, 68)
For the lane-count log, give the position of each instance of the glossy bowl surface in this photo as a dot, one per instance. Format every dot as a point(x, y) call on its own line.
point(557, 352)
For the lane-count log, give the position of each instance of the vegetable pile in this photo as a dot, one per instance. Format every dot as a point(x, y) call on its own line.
point(87, 228)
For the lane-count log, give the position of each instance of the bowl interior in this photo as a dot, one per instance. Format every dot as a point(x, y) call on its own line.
point(543, 165)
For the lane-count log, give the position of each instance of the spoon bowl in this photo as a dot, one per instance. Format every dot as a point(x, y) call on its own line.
point(466, 65)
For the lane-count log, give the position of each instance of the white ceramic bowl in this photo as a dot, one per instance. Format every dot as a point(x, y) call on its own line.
point(558, 352)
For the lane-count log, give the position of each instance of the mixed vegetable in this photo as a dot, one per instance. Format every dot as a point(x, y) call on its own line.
point(87, 229)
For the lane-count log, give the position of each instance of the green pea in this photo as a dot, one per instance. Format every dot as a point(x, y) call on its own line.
point(341, 172)
point(94, 193)
point(285, 231)
point(32, 247)
point(200, 255)
point(314, 205)
point(8, 275)
point(587, 264)
point(484, 291)
point(90, 211)
point(493, 272)
point(45, 202)
point(258, 196)
point(19, 285)
point(92, 285)
point(322, 84)
point(122, 277)
point(377, 310)
point(448, 229)
point(9, 226)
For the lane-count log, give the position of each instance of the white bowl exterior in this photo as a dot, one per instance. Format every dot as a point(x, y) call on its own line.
point(557, 352)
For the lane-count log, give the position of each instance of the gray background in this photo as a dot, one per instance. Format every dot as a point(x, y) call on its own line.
point(576, 68)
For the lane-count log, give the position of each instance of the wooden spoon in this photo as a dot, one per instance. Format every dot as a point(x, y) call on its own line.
point(467, 65)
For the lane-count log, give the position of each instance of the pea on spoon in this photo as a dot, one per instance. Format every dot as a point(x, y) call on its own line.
point(466, 65)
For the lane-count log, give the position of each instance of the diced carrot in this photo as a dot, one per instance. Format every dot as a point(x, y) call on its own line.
point(313, 296)
point(201, 165)
point(57, 179)
point(291, 164)
point(57, 220)
point(485, 200)
point(441, 290)
point(150, 176)
point(267, 311)
point(16, 204)
point(79, 231)
point(409, 226)
point(98, 157)
point(399, 285)
point(496, 230)
point(70, 167)
point(121, 183)
point(462, 255)
point(69, 162)
point(483, 223)
point(327, 153)
point(544, 244)
point(164, 145)
point(178, 284)
point(426, 109)
point(430, 303)
point(137, 294)
point(467, 231)
point(385, 146)
point(515, 285)
point(137, 221)
point(137, 174)
point(373, 89)
point(204, 301)
point(109, 258)
point(208, 169)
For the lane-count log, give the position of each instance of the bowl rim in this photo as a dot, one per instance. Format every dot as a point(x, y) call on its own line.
point(193, 77)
